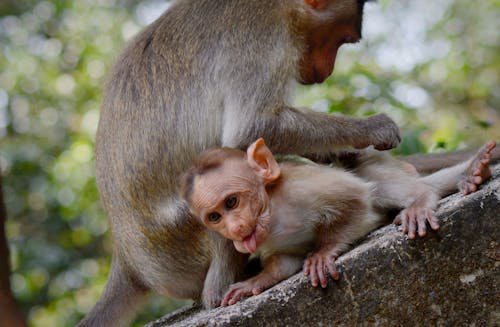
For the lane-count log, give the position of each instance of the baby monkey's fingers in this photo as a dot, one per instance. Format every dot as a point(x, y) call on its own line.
point(415, 220)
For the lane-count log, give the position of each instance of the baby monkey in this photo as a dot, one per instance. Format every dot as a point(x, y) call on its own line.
point(289, 210)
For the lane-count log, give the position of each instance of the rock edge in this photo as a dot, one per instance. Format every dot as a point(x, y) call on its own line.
point(449, 278)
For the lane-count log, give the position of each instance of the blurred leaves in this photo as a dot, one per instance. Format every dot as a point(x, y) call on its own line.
point(53, 60)
point(436, 75)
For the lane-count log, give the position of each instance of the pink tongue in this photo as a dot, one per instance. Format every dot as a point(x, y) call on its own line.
point(251, 243)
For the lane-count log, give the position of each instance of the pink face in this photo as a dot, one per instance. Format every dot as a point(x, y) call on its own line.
point(232, 201)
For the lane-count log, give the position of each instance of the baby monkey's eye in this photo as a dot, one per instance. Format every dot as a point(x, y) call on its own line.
point(231, 202)
point(214, 217)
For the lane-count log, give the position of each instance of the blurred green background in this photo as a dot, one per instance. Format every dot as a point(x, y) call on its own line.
point(433, 66)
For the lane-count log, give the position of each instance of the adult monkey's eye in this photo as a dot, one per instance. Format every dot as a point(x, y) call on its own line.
point(214, 217)
point(231, 202)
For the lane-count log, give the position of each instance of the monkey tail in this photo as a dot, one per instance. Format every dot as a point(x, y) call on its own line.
point(120, 300)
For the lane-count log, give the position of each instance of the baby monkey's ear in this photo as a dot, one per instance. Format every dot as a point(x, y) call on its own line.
point(262, 161)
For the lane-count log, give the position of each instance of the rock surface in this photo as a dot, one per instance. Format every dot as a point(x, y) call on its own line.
point(449, 278)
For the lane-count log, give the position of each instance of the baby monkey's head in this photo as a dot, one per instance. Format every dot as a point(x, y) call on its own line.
point(226, 189)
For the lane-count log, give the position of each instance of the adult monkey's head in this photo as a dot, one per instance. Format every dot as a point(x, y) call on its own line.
point(326, 25)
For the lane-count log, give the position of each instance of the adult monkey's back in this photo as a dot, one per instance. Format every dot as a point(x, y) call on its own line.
point(209, 73)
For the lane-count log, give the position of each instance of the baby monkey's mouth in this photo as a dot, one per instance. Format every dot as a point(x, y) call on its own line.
point(250, 242)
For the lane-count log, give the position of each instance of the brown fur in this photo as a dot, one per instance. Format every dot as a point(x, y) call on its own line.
point(205, 162)
point(208, 73)
point(281, 211)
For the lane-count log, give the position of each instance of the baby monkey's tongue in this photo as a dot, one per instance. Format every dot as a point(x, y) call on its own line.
point(251, 242)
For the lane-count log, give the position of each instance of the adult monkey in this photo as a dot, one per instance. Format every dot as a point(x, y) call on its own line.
point(209, 73)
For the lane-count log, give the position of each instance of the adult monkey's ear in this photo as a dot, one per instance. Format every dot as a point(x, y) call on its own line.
point(262, 161)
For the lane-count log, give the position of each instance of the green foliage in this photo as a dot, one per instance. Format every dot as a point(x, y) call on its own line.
point(436, 76)
point(53, 60)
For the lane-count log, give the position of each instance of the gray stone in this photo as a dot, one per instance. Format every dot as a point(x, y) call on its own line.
point(449, 278)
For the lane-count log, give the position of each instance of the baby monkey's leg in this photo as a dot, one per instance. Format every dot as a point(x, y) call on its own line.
point(336, 239)
point(416, 216)
point(466, 177)
point(478, 170)
point(276, 268)
point(322, 262)
point(398, 186)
